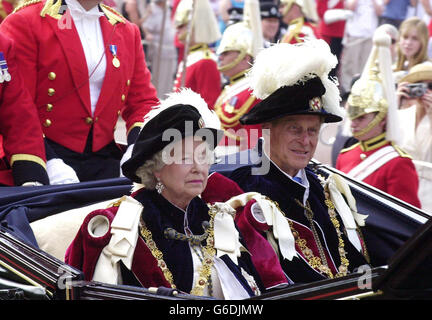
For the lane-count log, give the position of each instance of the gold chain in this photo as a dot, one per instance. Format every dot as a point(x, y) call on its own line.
point(207, 261)
point(319, 262)
point(147, 235)
point(314, 261)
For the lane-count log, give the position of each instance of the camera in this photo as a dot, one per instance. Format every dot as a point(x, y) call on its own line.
point(417, 90)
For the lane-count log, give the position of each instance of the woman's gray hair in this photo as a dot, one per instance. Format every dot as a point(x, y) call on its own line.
point(146, 171)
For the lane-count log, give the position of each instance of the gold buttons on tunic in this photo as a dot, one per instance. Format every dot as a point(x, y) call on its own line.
point(51, 92)
point(128, 82)
point(47, 123)
point(89, 120)
point(363, 156)
point(123, 97)
point(52, 75)
point(49, 107)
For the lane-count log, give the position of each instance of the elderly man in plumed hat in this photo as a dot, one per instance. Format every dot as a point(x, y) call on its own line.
point(312, 215)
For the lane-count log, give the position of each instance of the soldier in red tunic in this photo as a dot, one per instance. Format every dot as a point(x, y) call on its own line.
point(21, 147)
point(201, 73)
point(237, 50)
point(376, 159)
point(300, 17)
point(84, 66)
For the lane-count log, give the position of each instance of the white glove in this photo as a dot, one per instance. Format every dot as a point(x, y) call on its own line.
point(126, 156)
point(336, 15)
point(60, 173)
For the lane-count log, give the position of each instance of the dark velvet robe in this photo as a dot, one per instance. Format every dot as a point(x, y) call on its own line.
point(280, 188)
point(158, 214)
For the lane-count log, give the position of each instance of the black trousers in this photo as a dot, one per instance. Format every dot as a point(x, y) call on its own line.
point(103, 164)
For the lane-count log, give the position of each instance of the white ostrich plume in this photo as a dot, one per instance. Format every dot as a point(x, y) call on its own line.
point(292, 64)
point(190, 97)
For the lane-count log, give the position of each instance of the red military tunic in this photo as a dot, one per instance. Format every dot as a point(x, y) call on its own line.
point(390, 170)
point(202, 74)
point(298, 29)
point(20, 133)
point(236, 100)
point(332, 30)
point(52, 59)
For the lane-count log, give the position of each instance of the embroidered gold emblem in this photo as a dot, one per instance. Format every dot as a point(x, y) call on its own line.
point(315, 104)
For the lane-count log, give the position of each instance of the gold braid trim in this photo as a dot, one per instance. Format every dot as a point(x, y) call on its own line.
point(233, 121)
point(299, 22)
point(28, 157)
point(52, 8)
point(25, 4)
point(113, 15)
point(313, 261)
point(147, 235)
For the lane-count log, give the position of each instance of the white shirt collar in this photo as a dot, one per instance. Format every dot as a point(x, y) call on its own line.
point(78, 12)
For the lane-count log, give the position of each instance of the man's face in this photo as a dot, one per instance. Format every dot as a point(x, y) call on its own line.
point(293, 140)
point(362, 122)
point(270, 27)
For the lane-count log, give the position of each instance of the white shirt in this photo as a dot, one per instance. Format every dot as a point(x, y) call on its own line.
point(364, 21)
point(90, 33)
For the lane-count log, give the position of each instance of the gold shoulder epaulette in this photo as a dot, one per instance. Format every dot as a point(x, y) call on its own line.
point(349, 148)
point(25, 4)
point(401, 152)
point(113, 15)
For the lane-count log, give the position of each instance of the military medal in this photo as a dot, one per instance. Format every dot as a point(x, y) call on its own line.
point(4, 74)
point(115, 61)
point(230, 106)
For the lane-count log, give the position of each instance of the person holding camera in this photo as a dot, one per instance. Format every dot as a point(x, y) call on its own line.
point(415, 91)
point(372, 109)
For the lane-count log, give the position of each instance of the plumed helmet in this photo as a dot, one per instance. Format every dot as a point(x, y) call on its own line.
point(308, 7)
point(201, 15)
point(375, 90)
point(245, 36)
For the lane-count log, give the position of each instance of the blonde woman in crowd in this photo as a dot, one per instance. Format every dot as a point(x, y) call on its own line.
point(412, 46)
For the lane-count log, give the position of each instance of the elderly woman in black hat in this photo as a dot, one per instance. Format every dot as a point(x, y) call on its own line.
point(182, 242)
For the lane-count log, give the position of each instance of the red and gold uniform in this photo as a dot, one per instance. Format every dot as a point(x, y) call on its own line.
point(54, 64)
point(331, 30)
point(236, 100)
point(21, 147)
point(202, 74)
point(390, 170)
point(298, 29)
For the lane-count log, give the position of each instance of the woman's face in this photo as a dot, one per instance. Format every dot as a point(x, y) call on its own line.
point(186, 175)
point(410, 43)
